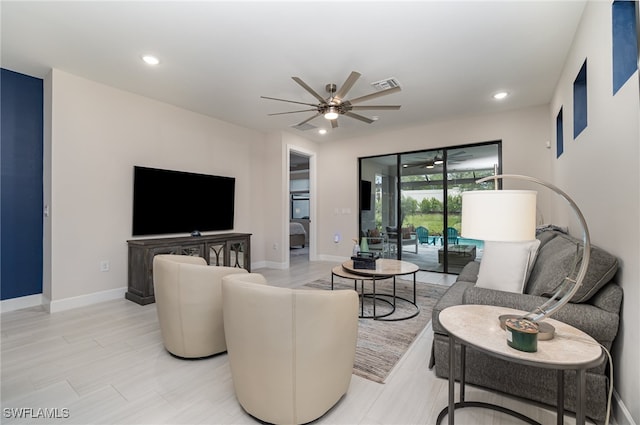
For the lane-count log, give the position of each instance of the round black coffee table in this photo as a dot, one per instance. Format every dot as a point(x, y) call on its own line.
point(385, 269)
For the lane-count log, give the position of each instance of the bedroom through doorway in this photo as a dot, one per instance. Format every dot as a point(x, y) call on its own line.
point(299, 207)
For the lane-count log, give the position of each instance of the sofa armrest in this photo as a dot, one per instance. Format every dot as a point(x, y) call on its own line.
point(452, 297)
point(469, 272)
point(598, 323)
point(608, 298)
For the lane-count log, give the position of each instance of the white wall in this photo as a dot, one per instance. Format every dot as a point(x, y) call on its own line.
point(98, 134)
point(600, 170)
point(524, 134)
point(274, 197)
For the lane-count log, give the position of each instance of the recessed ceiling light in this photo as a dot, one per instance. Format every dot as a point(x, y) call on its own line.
point(322, 131)
point(150, 60)
point(500, 95)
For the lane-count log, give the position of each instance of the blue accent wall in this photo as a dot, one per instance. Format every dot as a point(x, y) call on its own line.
point(21, 131)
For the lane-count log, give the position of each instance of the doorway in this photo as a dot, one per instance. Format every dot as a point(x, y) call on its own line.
point(299, 207)
point(412, 210)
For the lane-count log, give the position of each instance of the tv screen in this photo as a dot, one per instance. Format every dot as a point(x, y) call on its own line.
point(166, 201)
point(365, 195)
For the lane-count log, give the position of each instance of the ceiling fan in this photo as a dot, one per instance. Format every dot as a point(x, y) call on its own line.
point(438, 159)
point(336, 104)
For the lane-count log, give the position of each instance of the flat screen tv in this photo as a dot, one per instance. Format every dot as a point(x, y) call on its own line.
point(365, 195)
point(167, 201)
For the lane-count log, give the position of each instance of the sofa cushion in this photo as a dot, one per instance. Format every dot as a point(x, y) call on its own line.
point(556, 260)
point(506, 266)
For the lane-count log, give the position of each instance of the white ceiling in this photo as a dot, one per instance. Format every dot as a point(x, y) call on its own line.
point(218, 58)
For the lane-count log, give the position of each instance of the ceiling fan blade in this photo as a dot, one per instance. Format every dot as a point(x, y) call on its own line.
point(346, 86)
point(290, 101)
point(309, 89)
point(309, 119)
point(358, 117)
point(374, 95)
point(334, 123)
point(457, 153)
point(293, 112)
point(376, 108)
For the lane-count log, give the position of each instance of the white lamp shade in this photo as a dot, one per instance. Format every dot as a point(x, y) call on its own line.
point(499, 215)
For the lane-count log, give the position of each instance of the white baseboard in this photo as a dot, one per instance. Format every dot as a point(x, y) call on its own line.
point(274, 265)
point(84, 300)
point(333, 258)
point(258, 265)
point(19, 303)
point(621, 414)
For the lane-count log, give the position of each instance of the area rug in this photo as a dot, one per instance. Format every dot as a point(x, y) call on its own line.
point(382, 344)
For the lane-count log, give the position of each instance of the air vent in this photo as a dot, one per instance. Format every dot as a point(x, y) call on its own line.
point(304, 127)
point(387, 83)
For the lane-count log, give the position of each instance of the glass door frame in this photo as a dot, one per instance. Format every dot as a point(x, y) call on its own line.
point(398, 192)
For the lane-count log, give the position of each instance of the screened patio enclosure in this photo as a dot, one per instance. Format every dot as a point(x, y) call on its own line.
point(410, 203)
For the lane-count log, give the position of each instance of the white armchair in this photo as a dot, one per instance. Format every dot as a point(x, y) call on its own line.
point(291, 351)
point(189, 304)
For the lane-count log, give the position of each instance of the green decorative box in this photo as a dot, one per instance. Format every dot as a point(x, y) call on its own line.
point(522, 334)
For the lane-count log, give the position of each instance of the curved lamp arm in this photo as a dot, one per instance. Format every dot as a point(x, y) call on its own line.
point(562, 295)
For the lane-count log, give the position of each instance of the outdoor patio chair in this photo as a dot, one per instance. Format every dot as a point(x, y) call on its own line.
point(423, 236)
point(452, 236)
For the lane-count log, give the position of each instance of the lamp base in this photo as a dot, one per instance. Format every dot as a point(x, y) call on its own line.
point(545, 330)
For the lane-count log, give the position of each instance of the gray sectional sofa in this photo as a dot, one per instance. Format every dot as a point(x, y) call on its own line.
point(594, 309)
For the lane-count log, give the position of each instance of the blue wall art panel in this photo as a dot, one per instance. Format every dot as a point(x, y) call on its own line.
point(580, 101)
point(559, 135)
point(21, 191)
point(625, 42)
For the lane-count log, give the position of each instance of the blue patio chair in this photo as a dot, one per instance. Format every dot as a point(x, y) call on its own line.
point(423, 235)
point(452, 236)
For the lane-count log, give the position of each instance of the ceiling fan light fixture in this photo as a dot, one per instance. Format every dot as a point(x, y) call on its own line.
point(500, 95)
point(331, 113)
point(438, 161)
point(150, 60)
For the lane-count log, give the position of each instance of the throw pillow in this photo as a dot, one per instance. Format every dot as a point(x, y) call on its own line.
point(374, 236)
point(558, 257)
point(506, 266)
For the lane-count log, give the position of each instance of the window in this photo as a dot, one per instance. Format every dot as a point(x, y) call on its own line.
point(625, 42)
point(559, 135)
point(580, 101)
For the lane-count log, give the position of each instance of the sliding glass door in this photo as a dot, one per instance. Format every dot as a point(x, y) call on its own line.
point(378, 204)
point(411, 204)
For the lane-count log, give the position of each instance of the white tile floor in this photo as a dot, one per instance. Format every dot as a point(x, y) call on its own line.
point(106, 364)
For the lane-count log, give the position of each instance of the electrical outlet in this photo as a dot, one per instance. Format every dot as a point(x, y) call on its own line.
point(104, 266)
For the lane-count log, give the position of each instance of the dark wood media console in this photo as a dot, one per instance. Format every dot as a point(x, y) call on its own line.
point(226, 249)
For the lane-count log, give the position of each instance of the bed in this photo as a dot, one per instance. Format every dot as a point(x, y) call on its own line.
point(297, 234)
